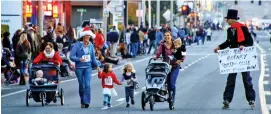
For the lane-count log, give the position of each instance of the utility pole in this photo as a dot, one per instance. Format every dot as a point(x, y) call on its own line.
point(143, 7)
point(158, 13)
point(149, 10)
point(105, 15)
point(40, 18)
point(195, 9)
point(171, 14)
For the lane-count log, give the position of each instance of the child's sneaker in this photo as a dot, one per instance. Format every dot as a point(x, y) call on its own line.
point(225, 105)
point(132, 102)
point(109, 105)
point(252, 104)
point(105, 107)
point(128, 105)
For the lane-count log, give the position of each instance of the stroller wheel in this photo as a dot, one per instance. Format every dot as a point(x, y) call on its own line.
point(151, 100)
point(62, 96)
point(27, 97)
point(143, 102)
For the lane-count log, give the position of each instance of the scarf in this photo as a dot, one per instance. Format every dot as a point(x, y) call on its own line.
point(50, 55)
point(240, 34)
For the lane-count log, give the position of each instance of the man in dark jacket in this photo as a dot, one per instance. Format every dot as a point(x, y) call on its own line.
point(113, 39)
point(151, 36)
point(238, 36)
point(134, 42)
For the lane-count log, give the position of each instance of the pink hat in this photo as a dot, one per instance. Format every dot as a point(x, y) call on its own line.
point(87, 31)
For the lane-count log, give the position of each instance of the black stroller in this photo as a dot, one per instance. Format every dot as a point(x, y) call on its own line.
point(156, 85)
point(48, 92)
point(8, 66)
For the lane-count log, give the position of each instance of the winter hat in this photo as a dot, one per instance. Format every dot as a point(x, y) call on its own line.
point(87, 31)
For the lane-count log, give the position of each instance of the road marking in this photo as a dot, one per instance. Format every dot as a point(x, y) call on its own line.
point(266, 65)
point(189, 65)
point(185, 67)
point(269, 49)
point(266, 82)
point(13, 93)
point(267, 69)
point(193, 62)
point(143, 88)
point(182, 69)
point(20, 91)
point(267, 93)
point(120, 99)
point(260, 85)
point(266, 75)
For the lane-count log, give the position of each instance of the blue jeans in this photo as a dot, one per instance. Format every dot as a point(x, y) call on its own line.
point(134, 48)
point(84, 77)
point(22, 67)
point(107, 100)
point(172, 80)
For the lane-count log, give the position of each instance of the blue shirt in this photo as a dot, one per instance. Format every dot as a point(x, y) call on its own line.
point(80, 50)
point(158, 37)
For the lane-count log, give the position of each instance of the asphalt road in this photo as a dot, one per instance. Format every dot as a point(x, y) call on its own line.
point(200, 88)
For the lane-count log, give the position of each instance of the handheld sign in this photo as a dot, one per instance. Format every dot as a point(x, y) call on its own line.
point(236, 60)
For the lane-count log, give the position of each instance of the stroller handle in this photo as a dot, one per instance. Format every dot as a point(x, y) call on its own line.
point(153, 59)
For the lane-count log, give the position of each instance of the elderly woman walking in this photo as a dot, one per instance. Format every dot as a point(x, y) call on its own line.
point(84, 57)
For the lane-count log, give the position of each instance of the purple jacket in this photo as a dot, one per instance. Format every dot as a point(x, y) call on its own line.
point(168, 52)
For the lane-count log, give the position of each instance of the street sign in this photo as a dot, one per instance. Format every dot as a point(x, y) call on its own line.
point(106, 13)
point(81, 10)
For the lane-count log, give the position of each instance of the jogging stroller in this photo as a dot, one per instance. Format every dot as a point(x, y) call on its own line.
point(8, 67)
point(47, 92)
point(156, 86)
point(64, 67)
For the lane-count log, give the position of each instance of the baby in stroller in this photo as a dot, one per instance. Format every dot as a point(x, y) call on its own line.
point(39, 80)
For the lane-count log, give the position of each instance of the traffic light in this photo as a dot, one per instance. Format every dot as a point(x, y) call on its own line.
point(260, 2)
point(235, 2)
point(185, 9)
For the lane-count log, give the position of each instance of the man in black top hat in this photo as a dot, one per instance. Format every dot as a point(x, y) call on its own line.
point(237, 36)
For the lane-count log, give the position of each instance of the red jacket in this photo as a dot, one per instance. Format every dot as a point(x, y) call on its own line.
point(99, 40)
point(41, 57)
point(108, 79)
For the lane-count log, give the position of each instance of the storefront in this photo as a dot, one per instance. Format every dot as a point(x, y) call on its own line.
point(52, 12)
point(85, 10)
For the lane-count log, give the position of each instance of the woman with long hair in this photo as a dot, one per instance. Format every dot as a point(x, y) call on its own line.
point(23, 51)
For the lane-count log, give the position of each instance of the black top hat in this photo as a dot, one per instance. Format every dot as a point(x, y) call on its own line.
point(232, 14)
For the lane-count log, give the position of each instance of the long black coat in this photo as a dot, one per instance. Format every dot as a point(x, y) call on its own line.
point(232, 39)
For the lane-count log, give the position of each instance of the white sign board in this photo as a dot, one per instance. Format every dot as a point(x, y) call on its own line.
point(237, 60)
point(166, 15)
point(11, 15)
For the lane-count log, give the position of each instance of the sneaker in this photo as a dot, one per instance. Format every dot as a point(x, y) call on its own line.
point(252, 104)
point(105, 107)
point(128, 105)
point(109, 105)
point(83, 106)
point(226, 104)
point(86, 105)
point(132, 102)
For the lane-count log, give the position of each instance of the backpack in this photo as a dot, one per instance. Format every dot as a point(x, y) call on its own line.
point(21, 52)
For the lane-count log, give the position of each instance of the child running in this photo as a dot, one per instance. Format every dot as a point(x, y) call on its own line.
point(108, 77)
point(130, 83)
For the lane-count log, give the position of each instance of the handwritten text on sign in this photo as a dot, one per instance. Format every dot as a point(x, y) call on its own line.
point(235, 60)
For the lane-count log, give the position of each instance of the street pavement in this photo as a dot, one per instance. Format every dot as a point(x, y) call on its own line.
point(200, 88)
